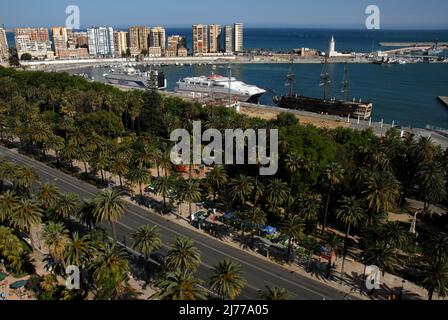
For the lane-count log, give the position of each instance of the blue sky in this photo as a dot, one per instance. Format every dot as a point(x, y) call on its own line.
point(395, 14)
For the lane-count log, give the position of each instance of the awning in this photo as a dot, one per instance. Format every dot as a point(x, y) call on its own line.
point(269, 230)
point(18, 284)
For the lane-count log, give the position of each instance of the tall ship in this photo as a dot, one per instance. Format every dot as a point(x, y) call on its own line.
point(135, 79)
point(325, 105)
point(220, 87)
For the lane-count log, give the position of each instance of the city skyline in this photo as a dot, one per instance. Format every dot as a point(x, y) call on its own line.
point(400, 14)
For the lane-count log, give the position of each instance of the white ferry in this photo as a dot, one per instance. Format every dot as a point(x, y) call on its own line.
point(217, 87)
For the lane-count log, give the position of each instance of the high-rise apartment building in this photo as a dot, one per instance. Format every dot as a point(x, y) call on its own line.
point(121, 42)
point(239, 44)
point(138, 38)
point(34, 41)
point(176, 43)
point(81, 40)
point(60, 38)
point(228, 39)
point(4, 49)
point(101, 41)
point(157, 38)
point(34, 34)
point(215, 38)
point(200, 39)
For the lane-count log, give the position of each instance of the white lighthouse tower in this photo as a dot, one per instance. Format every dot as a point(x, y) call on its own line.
point(332, 48)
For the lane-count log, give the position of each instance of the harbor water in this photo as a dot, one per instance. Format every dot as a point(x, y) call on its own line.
point(406, 94)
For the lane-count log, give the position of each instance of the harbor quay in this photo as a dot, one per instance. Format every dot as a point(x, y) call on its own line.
point(74, 64)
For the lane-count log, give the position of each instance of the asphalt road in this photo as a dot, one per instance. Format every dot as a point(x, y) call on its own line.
point(258, 272)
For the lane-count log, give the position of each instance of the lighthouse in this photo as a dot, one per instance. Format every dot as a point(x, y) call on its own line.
point(332, 47)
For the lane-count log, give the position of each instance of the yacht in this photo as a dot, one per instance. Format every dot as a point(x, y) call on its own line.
point(217, 87)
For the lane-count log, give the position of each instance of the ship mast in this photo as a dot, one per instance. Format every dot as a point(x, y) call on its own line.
point(325, 78)
point(230, 85)
point(345, 83)
point(291, 79)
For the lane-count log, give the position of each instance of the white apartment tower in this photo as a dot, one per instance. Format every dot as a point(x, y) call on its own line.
point(101, 41)
point(239, 36)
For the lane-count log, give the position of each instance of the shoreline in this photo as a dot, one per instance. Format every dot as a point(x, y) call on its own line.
point(58, 65)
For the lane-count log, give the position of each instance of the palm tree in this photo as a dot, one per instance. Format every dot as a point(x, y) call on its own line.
point(119, 167)
point(293, 228)
point(382, 193)
point(146, 240)
point(25, 178)
point(437, 247)
point(216, 180)
point(240, 189)
point(26, 214)
point(183, 255)
point(351, 214)
point(393, 234)
point(381, 255)
point(48, 194)
point(180, 285)
point(48, 283)
point(109, 206)
point(432, 184)
point(275, 293)
point(69, 152)
point(334, 175)
point(109, 269)
point(277, 193)
point(164, 185)
point(8, 203)
point(139, 175)
point(99, 162)
point(77, 250)
point(55, 236)
point(435, 277)
point(55, 143)
point(191, 192)
point(227, 280)
point(67, 205)
point(84, 156)
point(293, 163)
point(309, 205)
point(255, 218)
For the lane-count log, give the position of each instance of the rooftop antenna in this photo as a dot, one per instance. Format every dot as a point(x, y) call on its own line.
point(345, 83)
point(325, 78)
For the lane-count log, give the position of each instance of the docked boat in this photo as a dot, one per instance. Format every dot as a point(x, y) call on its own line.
point(217, 87)
point(326, 105)
point(132, 78)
